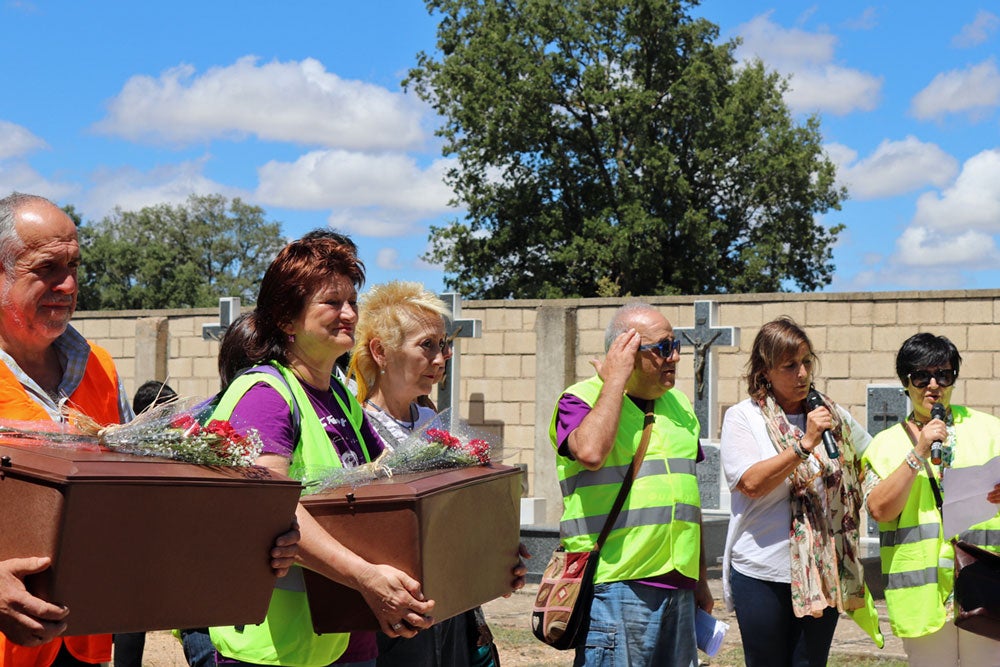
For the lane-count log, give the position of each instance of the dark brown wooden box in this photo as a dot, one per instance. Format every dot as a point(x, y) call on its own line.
point(456, 531)
point(142, 543)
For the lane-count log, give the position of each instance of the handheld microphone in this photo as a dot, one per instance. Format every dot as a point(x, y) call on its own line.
point(814, 400)
point(937, 412)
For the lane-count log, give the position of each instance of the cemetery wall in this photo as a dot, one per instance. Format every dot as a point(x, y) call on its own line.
point(531, 349)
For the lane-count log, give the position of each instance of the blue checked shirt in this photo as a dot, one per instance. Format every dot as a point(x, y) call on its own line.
point(74, 351)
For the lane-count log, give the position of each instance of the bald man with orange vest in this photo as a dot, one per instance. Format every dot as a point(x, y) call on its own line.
point(45, 362)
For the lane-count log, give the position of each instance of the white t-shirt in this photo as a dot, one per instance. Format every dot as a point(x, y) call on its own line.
point(757, 540)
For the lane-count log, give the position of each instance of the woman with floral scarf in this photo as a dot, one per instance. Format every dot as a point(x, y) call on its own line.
point(792, 560)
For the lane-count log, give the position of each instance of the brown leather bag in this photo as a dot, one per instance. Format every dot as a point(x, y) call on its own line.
point(977, 590)
point(561, 614)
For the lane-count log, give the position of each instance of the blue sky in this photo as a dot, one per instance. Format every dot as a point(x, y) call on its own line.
point(297, 107)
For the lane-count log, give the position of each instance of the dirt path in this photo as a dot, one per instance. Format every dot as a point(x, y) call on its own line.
point(509, 619)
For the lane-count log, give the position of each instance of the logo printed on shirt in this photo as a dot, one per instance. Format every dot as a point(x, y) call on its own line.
point(331, 420)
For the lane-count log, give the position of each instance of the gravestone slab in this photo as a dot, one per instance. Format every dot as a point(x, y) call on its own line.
point(709, 477)
point(888, 405)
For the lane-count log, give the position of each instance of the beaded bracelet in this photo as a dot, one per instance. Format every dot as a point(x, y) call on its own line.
point(911, 460)
point(797, 446)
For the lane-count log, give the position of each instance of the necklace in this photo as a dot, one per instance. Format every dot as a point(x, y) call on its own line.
point(402, 422)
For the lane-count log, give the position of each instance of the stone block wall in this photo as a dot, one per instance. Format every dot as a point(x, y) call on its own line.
point(530, 349)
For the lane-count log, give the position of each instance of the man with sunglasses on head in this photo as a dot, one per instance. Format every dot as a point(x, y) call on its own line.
point(651, 573)
point(917, 558)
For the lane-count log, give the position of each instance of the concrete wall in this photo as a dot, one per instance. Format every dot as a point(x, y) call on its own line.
point(531, 349)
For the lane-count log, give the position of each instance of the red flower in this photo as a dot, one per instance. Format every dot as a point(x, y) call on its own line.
point(443, 438)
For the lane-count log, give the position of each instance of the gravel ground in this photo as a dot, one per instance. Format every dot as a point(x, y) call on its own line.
point(509, 619)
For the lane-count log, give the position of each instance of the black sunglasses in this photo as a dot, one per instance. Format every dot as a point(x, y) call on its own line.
point(665, 348)
point(944, 377)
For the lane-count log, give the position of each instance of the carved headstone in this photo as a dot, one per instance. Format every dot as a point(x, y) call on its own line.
point(888, 405)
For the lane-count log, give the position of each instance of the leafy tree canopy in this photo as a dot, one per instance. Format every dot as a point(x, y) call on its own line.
point(614, 147)
point(180, 256)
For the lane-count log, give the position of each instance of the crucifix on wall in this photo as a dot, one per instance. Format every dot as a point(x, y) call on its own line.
point(448, 390)
point(702, 337)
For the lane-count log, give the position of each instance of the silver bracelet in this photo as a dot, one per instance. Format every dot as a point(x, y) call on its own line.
point(797, 446)
point(911, 460)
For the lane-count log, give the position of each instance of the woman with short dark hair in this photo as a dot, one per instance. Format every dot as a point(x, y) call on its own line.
point(903, 466)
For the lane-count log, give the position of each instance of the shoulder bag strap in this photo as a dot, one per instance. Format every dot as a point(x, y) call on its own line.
point(633, 470)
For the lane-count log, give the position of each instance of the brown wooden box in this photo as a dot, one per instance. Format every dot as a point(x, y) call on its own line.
point(142, 543)
point(455, 531)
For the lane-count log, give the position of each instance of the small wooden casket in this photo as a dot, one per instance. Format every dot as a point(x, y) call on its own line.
point(455, 531)
point(142, 543)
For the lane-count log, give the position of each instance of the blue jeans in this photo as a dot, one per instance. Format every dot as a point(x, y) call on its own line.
point(632, 625)
point(772, 635)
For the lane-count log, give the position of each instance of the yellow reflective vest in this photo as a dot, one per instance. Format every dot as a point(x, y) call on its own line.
point(659, 528)
point(286, 636)
point(917, 559)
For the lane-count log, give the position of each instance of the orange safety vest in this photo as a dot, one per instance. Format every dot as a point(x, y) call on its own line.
point(97, 397)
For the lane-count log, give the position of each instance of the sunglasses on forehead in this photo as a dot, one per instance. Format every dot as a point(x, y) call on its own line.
point(665, 348)
point(944, 377)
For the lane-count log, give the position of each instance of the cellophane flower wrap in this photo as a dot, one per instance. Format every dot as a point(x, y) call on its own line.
point(442, 442)
point(181, 430)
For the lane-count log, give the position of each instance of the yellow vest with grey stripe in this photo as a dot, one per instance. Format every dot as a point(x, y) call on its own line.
point(917, 560)
point(659, 528)
point(286, 636)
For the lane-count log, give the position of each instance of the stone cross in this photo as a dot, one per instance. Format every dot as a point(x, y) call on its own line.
point(449, 388)
point(702, 337)
point(229, 310)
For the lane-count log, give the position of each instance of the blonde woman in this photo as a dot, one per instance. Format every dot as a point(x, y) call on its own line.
point(400, 352)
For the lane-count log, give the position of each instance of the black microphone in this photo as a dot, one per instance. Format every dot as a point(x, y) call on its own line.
point(814, 400)
point(937, 412)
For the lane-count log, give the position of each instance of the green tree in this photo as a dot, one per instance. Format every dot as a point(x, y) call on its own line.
point(613, 146)
point(180, 256)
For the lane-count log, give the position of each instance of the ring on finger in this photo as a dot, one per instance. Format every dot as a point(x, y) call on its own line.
point(396, 626)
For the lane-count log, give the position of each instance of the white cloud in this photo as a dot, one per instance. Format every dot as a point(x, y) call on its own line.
point(866, 21)
point(387, 259)
point(972, 90)
point(17, 141)
point(298, 102)
point(329, 179)
point(972, 203)
point(894, 168)
point(952, 232)
point(20, 177)
point(977, 32)
point(922, 247)
point(816, 82)
point(132, 189)
point(834, 89)
point(377, 222)
point(783, 48)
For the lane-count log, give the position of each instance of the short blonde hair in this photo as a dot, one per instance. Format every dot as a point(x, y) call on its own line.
point(388, 312)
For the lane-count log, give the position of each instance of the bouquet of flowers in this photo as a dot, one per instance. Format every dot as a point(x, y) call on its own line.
point(443, 442)
point(180, 430)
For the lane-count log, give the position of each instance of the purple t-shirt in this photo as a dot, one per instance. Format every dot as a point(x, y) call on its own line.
point(572, 410)
point(264, 408)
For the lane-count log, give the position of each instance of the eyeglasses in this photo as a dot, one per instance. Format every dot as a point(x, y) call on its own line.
point(665, 348)
point(945, 377)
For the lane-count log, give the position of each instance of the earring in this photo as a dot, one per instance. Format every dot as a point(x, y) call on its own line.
point(291, 338)
point(382, 371)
